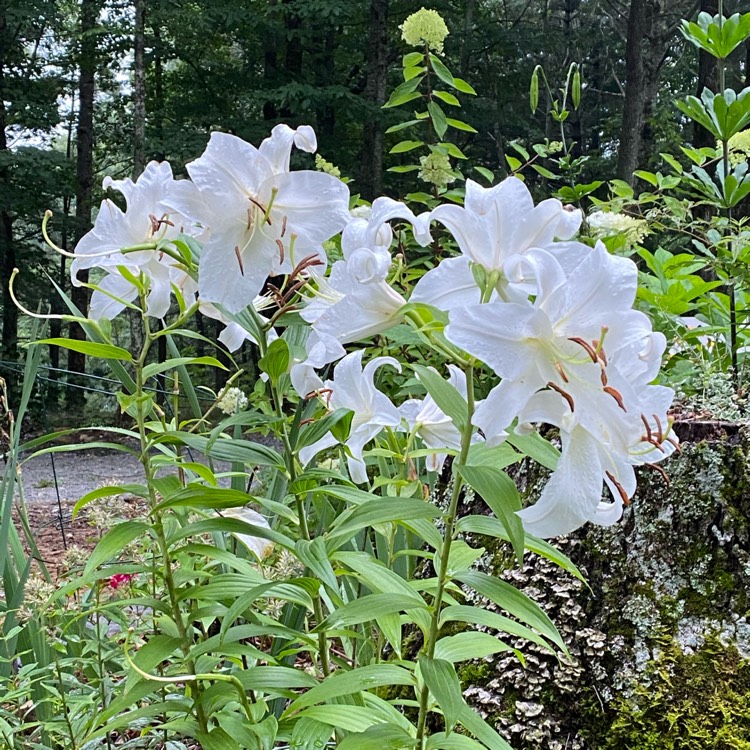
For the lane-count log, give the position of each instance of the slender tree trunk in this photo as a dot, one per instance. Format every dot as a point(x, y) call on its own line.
point(139, 88)
point(89, 12)
point(469, 8)
point(708, 77)
point(270, 66)
point(634, 110)
point(7, 248)
point(157, 107)
point(371, 176)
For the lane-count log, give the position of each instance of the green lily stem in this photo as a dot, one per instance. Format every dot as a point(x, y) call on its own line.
point(186, 641)
point(291, 467)
point(450, 527)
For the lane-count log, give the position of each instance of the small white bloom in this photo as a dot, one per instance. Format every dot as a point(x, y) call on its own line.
point(232, 401)
point(353, 388)
point(608, 224)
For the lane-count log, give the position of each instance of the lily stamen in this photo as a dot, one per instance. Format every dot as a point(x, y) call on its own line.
point(661, 471)
point(563, 393)
point(239, 259)
point(280, 245)
point(585, 344)
point(616, 395)
point(620, 489)
point(559, 368)
point(660, 432)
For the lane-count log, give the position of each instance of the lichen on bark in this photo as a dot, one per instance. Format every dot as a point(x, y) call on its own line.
point(660, 642)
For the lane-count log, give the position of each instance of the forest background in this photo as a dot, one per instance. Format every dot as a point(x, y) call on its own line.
point(96, 88)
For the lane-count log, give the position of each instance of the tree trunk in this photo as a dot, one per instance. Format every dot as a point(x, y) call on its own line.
point(139, 89)
point(469, 8)
point(634, 108)
point(89, 10)
point(660, 628)
point(7, 249)
point(371, 176)
point(708, 77)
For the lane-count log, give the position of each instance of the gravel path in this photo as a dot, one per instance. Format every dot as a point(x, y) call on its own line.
point(77, 473)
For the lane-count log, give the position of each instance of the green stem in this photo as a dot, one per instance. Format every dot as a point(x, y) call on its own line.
point(291, 467)
point(186, 641)
point(450, 526)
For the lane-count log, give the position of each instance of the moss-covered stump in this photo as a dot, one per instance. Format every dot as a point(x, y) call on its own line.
point(660, 643)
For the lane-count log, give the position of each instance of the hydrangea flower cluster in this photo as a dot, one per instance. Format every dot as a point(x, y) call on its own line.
point(550, 317)
point(425, 27)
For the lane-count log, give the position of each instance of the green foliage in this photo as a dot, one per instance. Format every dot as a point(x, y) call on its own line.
point(699, 700)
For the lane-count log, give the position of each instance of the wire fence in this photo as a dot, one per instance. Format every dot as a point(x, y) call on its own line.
point(44, 382)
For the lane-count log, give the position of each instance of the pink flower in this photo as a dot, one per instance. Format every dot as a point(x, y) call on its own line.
point(120, 579)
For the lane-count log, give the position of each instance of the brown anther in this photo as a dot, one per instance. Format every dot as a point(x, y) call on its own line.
point(280, 245)
point(559, 368)
point(261, 207)
point(616, 395)
point(239, 259)
point(676, 445)
point(585, 344)
point(563, 393)
point(249, 218)
point(648, 437)
point(307, 421)
point(660, 431)
point(605, 380)
point(620, 489)
point(283, 226)
point(154, 223)
point(599, 351)
point(661, 471)
point(307, 262)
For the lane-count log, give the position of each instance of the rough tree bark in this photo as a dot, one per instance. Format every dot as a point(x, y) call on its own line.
point(139, 88)
point(651, 30)
point(634, 112)
point(89, 13)
point(371, 175)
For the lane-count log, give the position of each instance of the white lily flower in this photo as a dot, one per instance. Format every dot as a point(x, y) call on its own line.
point(259, 546)
point(353, 387)
point(494, 226)
point(356, 301)
point(582, 295)
point(146, 219)
point(605, 454)
point(432, 425)
point(263, 218)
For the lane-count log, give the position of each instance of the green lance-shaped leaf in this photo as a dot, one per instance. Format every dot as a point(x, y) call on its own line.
point(448, 399)
point(158, 367)
point(92, 349)
point(440, 677)
point(439, 121)
point(114, 541)
point(513, 601)
point(369, 608)
point(347, 683)
point(500, 493)
point(378, 737)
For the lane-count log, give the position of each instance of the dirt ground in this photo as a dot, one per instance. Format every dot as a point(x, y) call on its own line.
point(53, 484)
